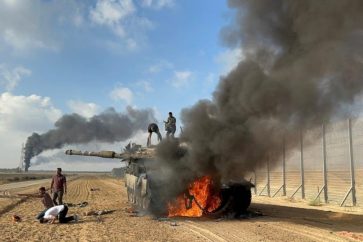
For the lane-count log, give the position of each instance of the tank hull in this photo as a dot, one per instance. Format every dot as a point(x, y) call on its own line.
point(146, 194)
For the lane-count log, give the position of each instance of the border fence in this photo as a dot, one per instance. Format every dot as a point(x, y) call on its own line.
point(327, 166)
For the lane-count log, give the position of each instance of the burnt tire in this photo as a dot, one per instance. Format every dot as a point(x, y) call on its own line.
point(242, 199)
point(236, 198)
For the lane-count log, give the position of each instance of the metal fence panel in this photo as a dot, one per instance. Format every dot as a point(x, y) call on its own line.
point(339, 181)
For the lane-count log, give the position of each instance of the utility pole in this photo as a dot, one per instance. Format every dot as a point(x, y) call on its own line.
point(22, 156)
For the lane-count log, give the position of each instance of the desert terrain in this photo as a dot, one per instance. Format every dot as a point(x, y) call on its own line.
point(281, 220)
point(13, 177)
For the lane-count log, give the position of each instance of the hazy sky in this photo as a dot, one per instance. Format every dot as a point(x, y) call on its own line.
point(60, 57)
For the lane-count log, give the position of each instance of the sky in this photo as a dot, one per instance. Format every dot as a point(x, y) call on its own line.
point(62, 57)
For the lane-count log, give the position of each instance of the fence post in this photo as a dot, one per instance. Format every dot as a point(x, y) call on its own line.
point(283, 186)
point(302, 165)
point(267, 186)
point(268, 178)
point(352, 174)
point(325, 174)
point(302, 185)
point(351, 154)
point(255, 183)
point(283, 169)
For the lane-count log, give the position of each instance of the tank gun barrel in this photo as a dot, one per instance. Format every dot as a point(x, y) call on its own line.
point(135, 153)
point(104, 154)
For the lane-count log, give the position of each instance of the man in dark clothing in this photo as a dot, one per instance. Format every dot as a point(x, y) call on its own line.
point(153, 127)
point(58, 187)
point(170, 125)
point(46, 200)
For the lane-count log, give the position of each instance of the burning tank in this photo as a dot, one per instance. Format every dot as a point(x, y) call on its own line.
point(203, 197)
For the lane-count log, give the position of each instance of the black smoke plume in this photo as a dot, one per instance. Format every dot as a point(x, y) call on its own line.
point(303, 62)
point(109, 126)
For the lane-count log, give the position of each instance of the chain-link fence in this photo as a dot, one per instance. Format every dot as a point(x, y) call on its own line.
point(327, 166)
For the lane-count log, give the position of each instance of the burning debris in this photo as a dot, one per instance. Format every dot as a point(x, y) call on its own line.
point(108, 126)
point(200, 198)
point(204, 198)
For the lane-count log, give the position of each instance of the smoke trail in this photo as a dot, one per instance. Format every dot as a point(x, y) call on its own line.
point(108, 126)
point(303, 63)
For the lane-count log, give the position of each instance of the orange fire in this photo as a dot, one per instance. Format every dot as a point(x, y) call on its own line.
point(201, 198)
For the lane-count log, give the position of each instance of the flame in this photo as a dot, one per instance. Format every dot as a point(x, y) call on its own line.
point(204, 199)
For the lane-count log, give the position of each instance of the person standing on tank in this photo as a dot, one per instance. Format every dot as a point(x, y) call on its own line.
point(153, 127)
point(58, 187)
point(170, 125)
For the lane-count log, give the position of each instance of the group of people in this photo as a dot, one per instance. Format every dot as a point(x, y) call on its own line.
point(54, 207)
point(170, 128)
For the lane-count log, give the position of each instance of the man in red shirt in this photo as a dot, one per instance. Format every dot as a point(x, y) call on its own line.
point(58, 187)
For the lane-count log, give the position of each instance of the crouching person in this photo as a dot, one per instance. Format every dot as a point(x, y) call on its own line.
point(59, 211)
point(46, 200)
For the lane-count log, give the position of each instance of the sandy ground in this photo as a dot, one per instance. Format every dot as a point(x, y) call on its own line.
point(118, 226)
point(282, 220)
point(14, 185)
point(15, 177)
